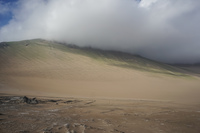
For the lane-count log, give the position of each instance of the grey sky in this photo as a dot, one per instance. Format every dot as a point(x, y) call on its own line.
point(164, 30)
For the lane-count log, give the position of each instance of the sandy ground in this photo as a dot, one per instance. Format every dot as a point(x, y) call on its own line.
point(86, 115)
point(110, 98)
point(58, 73)
point(181, 90)
point(126, 102)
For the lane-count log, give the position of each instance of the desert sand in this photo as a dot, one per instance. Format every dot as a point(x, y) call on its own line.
point(93, 115)
point(105, 98)
point(85, 77)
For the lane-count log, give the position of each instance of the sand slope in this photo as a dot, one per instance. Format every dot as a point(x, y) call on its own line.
point(39, 67)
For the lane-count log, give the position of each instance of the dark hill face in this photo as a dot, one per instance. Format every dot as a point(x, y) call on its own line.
point(42, 50)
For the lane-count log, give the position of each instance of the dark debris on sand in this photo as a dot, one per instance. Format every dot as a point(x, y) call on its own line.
point(17, 99)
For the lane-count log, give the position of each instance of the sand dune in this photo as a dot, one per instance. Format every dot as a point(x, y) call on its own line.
point(93, 91)
point(41, 68)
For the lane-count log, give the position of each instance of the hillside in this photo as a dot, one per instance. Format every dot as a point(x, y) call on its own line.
point(50, 68)
point(42, 51)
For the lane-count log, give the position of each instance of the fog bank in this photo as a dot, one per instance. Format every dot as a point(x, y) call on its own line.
point(163, 30)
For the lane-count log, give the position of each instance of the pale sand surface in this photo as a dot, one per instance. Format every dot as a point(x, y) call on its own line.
point(58, 73)
point(81, 76)
point(178, 90)
point(126, 100)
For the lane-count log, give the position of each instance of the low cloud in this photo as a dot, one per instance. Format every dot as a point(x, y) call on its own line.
point(163, 30)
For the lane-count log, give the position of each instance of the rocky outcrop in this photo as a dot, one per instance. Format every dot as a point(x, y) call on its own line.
point(29, 100)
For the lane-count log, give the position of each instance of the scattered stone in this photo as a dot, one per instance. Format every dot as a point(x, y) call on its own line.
point(76, 124)
point(15, 98)
point(34, 101)
point(162, 124)
point(54, 110)
point(29, 100)
point(26, 113)
point(136, 114)
point(72, 101)
point(54, 124)
point(47, 130)
point(53, 100)
point(66, 125)
point(116, 130)
point(69, 101)
point(90, 102)
point(24, 132)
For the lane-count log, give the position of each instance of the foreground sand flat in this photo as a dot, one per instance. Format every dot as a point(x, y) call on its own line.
point(86, 115)
point(181, 90)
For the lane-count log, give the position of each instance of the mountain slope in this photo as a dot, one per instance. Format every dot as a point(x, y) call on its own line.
point(40, 67)
point(40, 51)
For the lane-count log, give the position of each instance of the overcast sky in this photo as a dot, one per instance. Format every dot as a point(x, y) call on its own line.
point(163, 30)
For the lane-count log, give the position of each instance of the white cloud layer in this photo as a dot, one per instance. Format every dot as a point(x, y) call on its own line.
point(164, 30)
